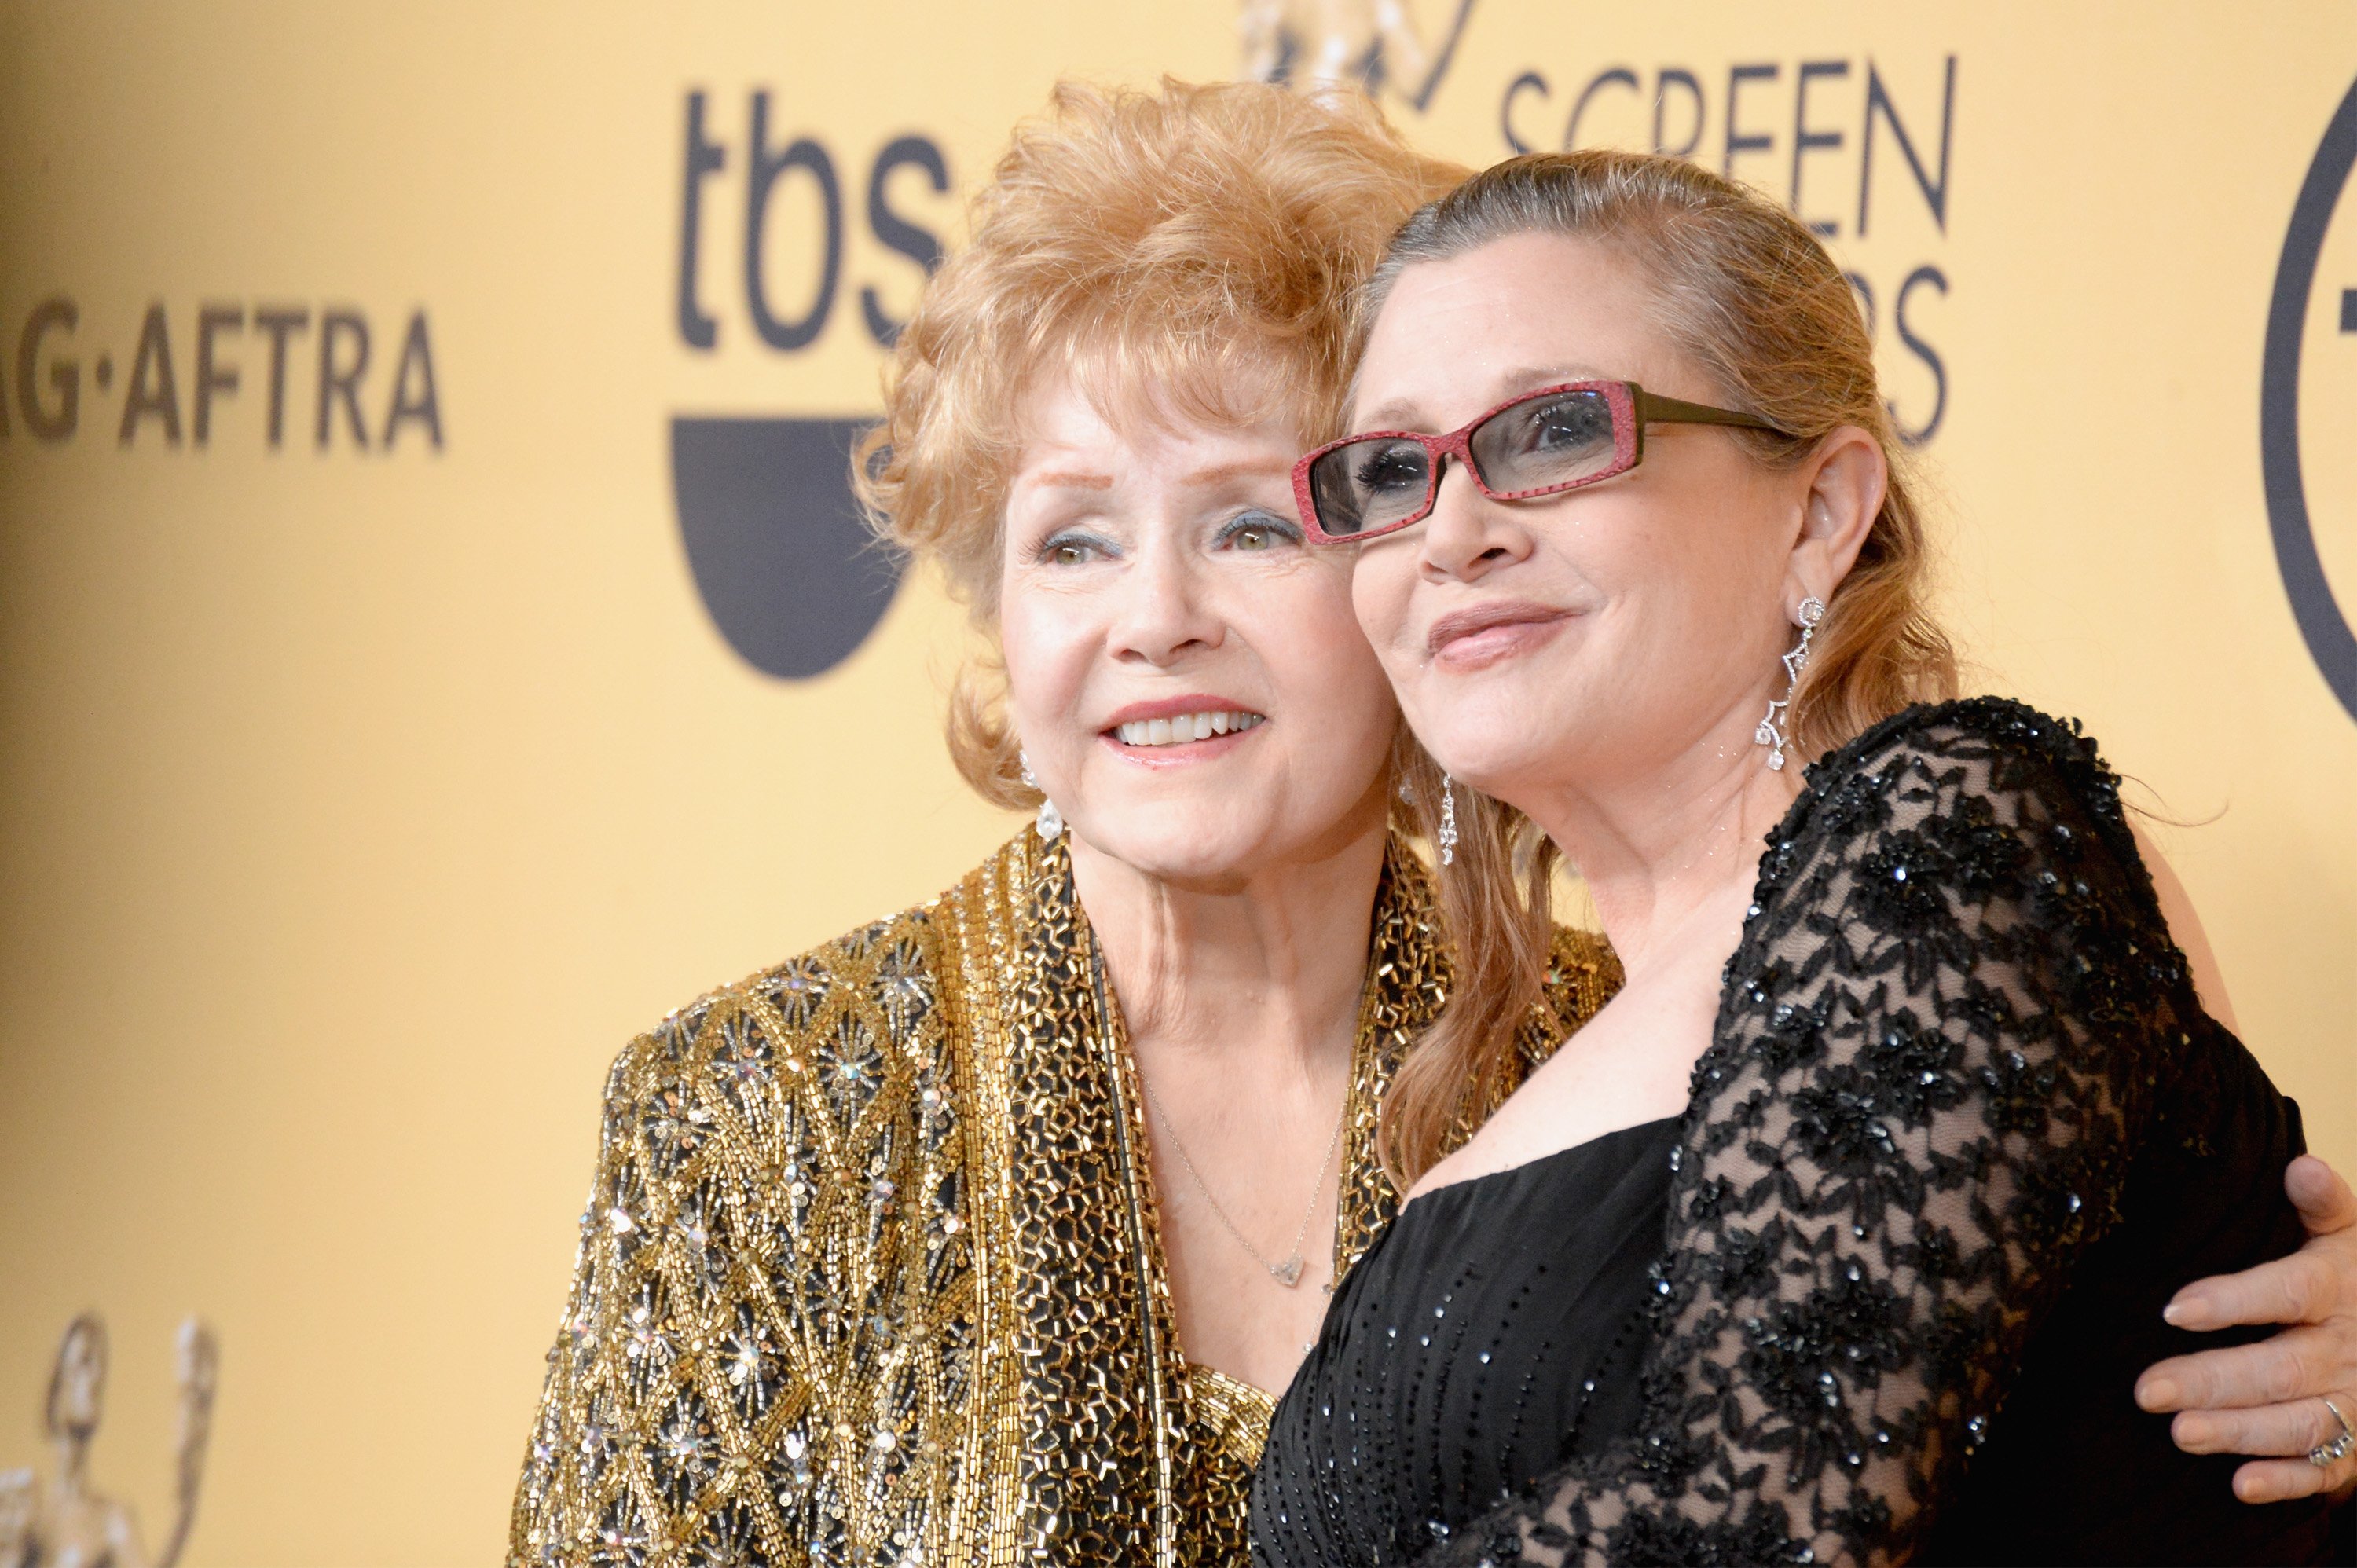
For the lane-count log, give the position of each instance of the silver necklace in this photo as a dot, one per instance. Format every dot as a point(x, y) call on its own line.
point(1288, 1273)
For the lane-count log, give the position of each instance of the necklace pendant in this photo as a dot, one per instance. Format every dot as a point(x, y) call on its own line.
point(1287, 1273)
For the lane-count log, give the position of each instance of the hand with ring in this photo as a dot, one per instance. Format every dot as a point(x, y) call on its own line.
point(2291, 1400)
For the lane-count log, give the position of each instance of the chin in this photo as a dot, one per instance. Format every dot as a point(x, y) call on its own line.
point(1489, 744)
point(1210, 856)
point(1485, 769)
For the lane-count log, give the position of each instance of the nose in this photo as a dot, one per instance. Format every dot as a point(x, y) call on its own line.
point(1166, 611)
point(1468, 535)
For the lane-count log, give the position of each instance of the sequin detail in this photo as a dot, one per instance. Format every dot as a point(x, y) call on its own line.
point(870, 1272)
point(1955, 1016)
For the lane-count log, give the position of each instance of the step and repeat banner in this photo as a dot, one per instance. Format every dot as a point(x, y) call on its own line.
point(435, 641)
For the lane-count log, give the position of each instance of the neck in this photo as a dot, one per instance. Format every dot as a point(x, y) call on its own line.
point(1665, 847)
point(1264, 971)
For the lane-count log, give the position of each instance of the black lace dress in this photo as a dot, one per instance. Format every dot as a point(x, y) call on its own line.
point(1882, 1293)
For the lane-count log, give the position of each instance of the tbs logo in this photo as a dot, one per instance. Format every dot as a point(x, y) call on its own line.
point(773, 536)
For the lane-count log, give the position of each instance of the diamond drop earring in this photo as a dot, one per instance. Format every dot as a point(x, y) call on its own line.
point(1770, 733)
point(1447, 835)
point(1051, 822)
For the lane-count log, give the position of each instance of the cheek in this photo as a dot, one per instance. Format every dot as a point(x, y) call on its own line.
point(1354, 687)
point(1383, 580)
point(1689, 590)
point(1683, 562)
point(1045, 650)
point(1314, 651)
point(1720, 576)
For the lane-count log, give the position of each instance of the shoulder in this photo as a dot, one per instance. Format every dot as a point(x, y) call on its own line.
point(1978, 765)
point(1990, 745)
point(847, 1014)
point(1967, 803)
point(885, 964)
point(2023, 743)
point(1582, 975)
point(1578, 952)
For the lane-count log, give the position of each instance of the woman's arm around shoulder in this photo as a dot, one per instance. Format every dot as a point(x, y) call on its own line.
point(2276, 1399)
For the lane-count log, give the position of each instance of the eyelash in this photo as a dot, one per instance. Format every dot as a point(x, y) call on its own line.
point(1072, 539)
point(1260, 518)
point(1257, 517)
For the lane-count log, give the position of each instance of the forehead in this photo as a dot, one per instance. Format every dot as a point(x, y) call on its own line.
point(1458, 336)
point(1072, 430)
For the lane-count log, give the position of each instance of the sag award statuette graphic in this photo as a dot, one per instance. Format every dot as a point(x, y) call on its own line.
point(1372, 44)
point(62, 1523)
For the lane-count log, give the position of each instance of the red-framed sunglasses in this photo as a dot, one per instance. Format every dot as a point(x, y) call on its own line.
point(1540, 444)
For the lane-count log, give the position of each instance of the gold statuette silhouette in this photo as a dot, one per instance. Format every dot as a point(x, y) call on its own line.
point(63, 1523)
point(1373, 44)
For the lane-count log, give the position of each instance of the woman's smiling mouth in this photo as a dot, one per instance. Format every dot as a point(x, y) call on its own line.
point(1181, 728)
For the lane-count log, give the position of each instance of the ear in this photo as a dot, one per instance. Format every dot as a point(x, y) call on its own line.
point(1846, 478)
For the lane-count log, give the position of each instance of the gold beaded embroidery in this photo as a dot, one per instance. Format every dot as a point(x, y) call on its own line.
point(870, 1272)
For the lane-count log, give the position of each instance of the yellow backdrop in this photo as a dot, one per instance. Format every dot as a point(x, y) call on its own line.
point(384, 610)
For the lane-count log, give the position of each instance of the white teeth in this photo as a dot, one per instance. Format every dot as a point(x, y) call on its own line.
point(1184, 728)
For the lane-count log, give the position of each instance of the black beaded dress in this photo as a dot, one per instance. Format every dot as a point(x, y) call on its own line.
point(1882, 1293)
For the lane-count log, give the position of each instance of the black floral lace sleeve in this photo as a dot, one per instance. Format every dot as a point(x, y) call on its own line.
point(1954, 1009)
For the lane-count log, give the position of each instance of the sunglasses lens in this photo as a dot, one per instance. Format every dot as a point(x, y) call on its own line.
point(1558, 439)
point(1369, 484)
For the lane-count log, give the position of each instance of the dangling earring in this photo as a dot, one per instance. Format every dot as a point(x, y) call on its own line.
point(1770, 733)
point(1051, 822)
point(1447, 835)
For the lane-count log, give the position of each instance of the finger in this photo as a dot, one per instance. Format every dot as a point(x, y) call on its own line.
point(2287, 1431)
point(2301, 1288)
point(2298, 1363)
point(2324, 1200)
point(2278, 1480)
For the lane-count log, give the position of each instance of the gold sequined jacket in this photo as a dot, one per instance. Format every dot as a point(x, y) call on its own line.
point(870, 1273)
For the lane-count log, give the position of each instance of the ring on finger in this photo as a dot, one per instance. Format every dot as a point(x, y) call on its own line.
point(2325, 1455)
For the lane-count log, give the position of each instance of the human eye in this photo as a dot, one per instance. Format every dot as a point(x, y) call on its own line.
point(1572, 422)
point(1073, 547)
point(1388, 468)
point(1258, 529)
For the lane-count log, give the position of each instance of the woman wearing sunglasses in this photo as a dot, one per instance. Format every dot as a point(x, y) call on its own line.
point(1845, 1230)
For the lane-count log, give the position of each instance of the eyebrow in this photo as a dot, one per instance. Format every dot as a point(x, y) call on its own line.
point(1399, 411)
point(1244, 468)
point(1072, 480)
